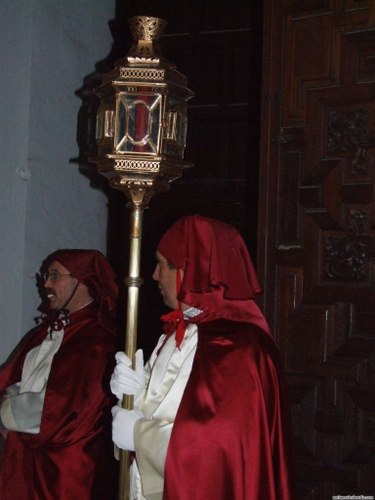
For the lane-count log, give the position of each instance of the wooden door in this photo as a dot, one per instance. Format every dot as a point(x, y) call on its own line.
point(316, 242)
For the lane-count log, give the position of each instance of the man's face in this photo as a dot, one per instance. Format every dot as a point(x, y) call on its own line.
point(166, 278)
point(61, 288)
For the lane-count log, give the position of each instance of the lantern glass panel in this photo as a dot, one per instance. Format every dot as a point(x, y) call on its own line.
point(138, 118)
point(175, 127)
point(108, 123)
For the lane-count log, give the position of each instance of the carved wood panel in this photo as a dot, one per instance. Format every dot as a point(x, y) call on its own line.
point(316, 250)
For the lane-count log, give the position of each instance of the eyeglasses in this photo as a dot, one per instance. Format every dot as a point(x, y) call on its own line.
point(54, 276)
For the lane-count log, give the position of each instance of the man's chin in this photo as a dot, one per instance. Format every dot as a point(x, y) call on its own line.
point(53, 305)
point(170, 304)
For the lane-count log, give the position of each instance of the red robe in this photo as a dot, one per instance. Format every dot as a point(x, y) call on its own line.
point(72, 456)
point(232, 435)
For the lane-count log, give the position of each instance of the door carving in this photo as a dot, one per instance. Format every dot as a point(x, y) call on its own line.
point(316, 241)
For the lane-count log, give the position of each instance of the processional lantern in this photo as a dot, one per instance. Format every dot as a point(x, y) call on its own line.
point(141, 137)
point(142, 118)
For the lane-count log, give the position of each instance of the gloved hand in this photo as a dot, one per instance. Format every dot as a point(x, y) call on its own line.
point(125, 380)
point(123, 423)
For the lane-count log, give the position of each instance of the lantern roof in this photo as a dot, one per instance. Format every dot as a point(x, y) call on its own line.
point(145, 64)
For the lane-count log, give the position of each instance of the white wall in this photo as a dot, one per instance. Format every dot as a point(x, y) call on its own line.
point(47, 47)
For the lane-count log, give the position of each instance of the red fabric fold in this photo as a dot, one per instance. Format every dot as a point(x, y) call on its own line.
point(174, 321)
point(219, 277)
point(232, 437)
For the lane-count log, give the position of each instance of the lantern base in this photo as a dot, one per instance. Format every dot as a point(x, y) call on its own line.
point(139, 178)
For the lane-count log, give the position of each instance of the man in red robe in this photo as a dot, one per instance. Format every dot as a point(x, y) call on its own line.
point(54, 395)
point(211, 416)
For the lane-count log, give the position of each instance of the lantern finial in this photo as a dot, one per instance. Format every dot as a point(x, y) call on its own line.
point(147, 28)
point(145, 50)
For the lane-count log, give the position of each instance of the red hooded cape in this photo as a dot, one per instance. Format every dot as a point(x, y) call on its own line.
point(72, 456)
point(232, 437)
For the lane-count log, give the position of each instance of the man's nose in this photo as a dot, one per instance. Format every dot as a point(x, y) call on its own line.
point(48, 283)
point(155, 274)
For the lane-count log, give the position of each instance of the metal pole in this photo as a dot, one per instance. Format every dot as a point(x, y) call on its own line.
point(133, 283)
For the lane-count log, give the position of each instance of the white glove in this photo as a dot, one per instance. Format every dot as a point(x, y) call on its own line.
point(125, 380)
point(123, 423)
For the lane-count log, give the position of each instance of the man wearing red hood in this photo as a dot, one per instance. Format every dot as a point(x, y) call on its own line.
point(211, 416)
point(54, 401)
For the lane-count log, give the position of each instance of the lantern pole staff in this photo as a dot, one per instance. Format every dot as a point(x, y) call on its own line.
point(139, 193)
point(141, 137)
point(133, 282)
